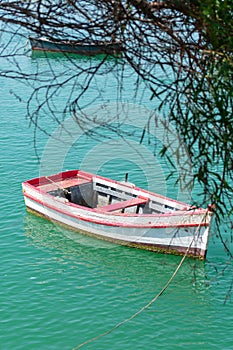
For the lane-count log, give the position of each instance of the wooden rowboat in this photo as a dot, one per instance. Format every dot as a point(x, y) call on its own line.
point(73, 46)
point(119, 212)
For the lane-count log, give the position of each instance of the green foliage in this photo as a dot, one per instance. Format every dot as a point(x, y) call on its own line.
point(202, 110)
point(217, 18)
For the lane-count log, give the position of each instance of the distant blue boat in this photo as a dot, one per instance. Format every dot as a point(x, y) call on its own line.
point(73, 46)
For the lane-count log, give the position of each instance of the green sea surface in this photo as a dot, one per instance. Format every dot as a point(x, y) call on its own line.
point(58, 288)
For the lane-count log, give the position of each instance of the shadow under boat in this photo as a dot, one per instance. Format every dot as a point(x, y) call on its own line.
point(71, 56)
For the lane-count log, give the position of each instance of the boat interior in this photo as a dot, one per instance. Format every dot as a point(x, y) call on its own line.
point(110, 196)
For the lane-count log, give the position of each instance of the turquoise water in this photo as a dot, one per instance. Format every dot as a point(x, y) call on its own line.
point(60, 289)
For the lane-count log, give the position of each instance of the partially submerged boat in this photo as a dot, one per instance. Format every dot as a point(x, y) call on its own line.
point(73, 46)
point(119, 212)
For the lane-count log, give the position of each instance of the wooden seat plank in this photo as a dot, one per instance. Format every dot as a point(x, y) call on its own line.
point(124, 204)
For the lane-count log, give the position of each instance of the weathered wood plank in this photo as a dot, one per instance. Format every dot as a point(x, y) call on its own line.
point(124, 204)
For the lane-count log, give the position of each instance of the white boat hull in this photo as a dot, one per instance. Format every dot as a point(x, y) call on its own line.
point(179, 233)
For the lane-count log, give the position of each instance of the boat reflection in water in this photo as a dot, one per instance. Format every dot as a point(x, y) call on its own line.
point(141, 269)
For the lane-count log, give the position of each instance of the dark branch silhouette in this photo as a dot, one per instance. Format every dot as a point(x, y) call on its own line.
point(180, 51)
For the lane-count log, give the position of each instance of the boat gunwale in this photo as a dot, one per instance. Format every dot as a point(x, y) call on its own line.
point(75, 42)
point(90, 176)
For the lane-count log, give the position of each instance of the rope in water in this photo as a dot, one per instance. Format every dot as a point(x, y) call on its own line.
point(152, 300)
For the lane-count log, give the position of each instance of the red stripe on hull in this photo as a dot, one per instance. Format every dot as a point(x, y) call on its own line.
point(102, 222)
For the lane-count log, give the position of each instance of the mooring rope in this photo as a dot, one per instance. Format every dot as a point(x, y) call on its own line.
point(152, 300)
